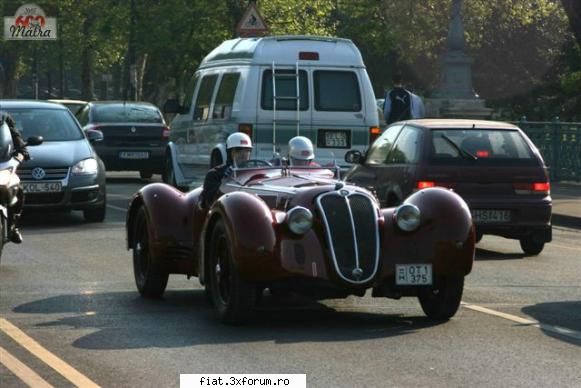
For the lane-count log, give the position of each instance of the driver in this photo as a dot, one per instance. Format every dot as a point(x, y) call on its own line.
point(238, 149)
point(20, 153)
point(300, 152)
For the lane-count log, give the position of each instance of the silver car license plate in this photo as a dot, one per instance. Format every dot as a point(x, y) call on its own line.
point(336, 139)
point(42, 187)
point(413, 274)
point(490, 216)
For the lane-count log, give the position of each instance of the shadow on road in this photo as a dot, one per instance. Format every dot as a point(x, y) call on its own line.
point(485, 254)
point(563, 314)
point(185, 318)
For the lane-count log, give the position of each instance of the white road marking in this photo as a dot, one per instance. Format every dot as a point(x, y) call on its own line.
point(523, 321)
point(66, 370)
point(121, 209)
point(20, 370)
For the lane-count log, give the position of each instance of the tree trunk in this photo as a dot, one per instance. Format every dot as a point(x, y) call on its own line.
point(87, 60)
point(9, 82)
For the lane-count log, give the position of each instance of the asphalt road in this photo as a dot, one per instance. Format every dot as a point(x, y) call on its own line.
point(70, 315)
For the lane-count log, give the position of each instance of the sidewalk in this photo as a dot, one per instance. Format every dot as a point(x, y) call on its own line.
point(566, 204)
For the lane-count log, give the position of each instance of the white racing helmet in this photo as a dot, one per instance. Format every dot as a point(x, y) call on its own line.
point(238, 140)
point(300, 148)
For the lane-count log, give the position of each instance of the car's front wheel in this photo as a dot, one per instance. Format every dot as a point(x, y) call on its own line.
point(232, 296)
point(531, 246)
point(442, 301)
point(96, 214)
point(150, 278)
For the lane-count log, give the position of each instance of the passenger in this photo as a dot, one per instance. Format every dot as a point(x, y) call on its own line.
point(21, 153)
point(300, 152)
point(238, 150)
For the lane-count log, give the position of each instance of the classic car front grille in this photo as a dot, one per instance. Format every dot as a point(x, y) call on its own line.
point(351, 226)
point(51, 173)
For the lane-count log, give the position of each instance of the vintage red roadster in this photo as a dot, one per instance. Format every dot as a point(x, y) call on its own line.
point(300, 230)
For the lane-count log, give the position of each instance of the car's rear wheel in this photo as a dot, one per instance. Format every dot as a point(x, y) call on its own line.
point(169, 175)
point(442, 301)
point(150, 279)
point(144, 174)
point(233, 297)
point(531, 246)
point(96, 214)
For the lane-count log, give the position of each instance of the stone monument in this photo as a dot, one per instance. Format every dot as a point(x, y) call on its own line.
point(455, 96)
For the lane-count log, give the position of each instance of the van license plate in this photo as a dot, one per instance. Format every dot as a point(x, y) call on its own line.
point(336, 139)
point(44, 187)
point(133, 155)
point(413, 274)
point(490, 216)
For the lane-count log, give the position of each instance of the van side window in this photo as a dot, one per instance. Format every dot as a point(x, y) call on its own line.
point(190, 89)
point(225, 96)
point(202, 111)
point(407, 147)
point(337, 91)
point(286, 86)
point(380, 149)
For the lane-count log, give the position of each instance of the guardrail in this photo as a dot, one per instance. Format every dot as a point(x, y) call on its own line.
point(560, 145)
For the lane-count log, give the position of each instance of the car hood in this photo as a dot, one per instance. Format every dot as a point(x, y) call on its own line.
point(59, 153)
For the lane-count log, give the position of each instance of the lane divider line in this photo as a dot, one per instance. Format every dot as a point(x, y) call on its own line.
point(523, 321)
point(66, 370)
point(117, 208)
point(23, 372)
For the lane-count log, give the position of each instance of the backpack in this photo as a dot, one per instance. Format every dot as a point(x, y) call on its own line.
point(400, 105)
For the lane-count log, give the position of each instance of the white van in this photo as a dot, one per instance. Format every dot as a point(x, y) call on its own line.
point(273, 88)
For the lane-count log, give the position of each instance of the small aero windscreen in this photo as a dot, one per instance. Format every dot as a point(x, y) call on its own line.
point(51, 124)
point(484, 145)
point(126, 113)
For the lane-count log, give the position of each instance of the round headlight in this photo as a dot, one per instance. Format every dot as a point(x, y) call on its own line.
point(299, 220)
point(407, 217)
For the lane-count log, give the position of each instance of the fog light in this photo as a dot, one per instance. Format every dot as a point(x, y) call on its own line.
point(299, 220)
point(407, 217)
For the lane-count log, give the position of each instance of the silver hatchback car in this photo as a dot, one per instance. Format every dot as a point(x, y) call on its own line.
point(64, 172)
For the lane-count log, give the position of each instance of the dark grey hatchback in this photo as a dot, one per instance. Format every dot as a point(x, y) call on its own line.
point(135, 135)
point(493, 166)
point(64, 172)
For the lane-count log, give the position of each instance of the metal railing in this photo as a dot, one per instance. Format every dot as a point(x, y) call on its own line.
point(560, 145)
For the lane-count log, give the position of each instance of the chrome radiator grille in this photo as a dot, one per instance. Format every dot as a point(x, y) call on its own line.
point(351, 227)
point(51, 173)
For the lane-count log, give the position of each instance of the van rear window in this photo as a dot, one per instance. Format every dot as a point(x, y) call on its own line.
point(480, 144)
point(337, 91)
point(286, 90)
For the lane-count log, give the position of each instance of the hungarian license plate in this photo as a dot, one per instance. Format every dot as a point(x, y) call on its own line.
point(42, 187)
point(336, 139)
point(490, 216)
point(134, 155)
point(413, 274)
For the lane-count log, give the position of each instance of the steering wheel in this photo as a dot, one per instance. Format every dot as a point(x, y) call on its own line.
point(254, 163)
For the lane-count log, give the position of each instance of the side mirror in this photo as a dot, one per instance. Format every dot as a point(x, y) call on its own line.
point(172, 105)
point(34, 140)
point(354, 157)
point(94, 135)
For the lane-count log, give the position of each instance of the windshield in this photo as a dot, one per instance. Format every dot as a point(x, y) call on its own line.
point(51, 124)
point(484, 145)
point(126, 113)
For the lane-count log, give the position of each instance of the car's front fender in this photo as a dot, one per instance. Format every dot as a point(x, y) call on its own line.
point(445, 237)
point(251, 229)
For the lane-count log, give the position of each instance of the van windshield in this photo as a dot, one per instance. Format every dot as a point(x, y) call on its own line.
point(483, 145)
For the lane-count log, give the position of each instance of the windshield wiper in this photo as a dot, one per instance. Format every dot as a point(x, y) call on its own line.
point(465, 154)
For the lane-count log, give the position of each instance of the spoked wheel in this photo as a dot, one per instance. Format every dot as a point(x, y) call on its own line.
point(233, 297)
point(150, 279)
point(442, 301)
